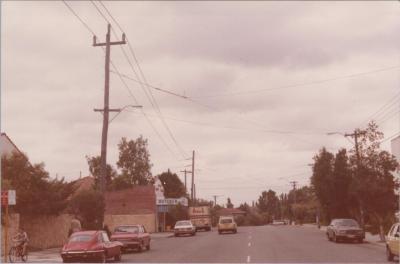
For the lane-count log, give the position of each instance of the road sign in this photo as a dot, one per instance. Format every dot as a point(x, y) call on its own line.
point(173, 201)
point(12, 197)
point(4, 198)
point(8, 197)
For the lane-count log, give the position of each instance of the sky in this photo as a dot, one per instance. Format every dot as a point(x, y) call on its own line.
point(264, 83)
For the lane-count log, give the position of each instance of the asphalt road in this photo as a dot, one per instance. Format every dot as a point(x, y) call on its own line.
point(262, 244)
point(277, 244)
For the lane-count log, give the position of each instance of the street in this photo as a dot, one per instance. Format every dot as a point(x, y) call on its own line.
point(283, 244)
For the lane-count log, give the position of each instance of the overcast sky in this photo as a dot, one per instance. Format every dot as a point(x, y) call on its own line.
point(266, 82)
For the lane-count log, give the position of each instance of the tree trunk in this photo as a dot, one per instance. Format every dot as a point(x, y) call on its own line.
point(381, 232)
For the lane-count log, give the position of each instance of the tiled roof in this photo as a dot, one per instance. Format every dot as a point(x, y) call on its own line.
point(136, 200)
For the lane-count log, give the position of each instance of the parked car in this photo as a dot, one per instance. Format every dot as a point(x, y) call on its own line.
point(393, 242)
point(184, 227)
point(93, 246)
point(132, 237)
point(227, 224)
point(345, 229)
point(279, 222)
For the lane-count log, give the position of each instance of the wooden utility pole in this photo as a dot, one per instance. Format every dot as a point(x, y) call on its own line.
point(192, 188)
point(186, 172)
point(106, 109)
point(294, 183)
point(355, 135)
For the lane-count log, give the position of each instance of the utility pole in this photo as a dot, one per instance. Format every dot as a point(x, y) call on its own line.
point(294, 183)
point(355, 135)
point(186, 171)
point(215, 199)
point(106, 109)
point(192, 189)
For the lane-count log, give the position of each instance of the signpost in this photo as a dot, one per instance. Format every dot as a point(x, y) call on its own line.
point(173, 201)
point(7, 198)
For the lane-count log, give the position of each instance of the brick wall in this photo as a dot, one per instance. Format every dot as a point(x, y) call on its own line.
point(47, 231)
point(148, 220)
point(13, 222)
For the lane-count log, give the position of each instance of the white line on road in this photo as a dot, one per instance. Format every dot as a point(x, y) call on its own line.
point(249, 244)
point(248, 259)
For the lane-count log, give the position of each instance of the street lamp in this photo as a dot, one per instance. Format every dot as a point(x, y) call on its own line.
point(123, 108)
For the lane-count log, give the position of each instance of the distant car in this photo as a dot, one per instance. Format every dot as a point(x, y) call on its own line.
point(279, 222)
point(393, 242)
point(184, 227)
point(227, 224)
point(93, 246)
point(345, 229)
point(132, 237)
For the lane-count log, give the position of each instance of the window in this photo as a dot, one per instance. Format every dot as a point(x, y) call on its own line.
point(80, 238)
point(105, 237)
point(127, 229)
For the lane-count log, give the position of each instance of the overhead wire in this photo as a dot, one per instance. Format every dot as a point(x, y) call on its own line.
point(122, 80)
point(144, 84)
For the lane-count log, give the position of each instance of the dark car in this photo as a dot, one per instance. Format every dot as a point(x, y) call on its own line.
point(93, 246)
point(132, 237)
point(345, 229)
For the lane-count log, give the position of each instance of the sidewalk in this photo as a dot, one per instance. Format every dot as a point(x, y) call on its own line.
point(369, 238)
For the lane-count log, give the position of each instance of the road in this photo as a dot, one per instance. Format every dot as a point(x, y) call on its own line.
point(273, 244)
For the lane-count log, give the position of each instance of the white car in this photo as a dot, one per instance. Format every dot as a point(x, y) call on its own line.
point(184, 227)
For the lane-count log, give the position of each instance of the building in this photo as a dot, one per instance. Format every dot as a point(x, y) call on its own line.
point(7, 147)
point(135, 205)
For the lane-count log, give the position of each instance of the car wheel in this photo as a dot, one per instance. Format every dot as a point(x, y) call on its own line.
point(219, 232)
point(141, 247)
point(335, 239)
point(118, 256)
point(328, 237)
point(103, 258)
point(176, 235)
point(65, 260)
point(148, 246)
point(389, 255)
point(360, 240)
point(194, 233)
point(235, 231)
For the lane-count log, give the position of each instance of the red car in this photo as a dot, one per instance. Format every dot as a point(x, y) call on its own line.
point(132, 237)
point(93, 246)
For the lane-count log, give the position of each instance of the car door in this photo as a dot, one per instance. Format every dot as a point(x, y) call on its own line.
point(394, 240)
point(111, 250)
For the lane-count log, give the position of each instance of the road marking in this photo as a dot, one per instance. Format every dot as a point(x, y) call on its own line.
point(249, 237)
point(249, 244)
point(248, 259)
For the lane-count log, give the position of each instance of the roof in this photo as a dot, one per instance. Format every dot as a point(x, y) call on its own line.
point(136, 200)
point(230, 211)
point(84, 184)
point(7, 146)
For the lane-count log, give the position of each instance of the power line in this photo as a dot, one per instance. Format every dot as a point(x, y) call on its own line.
point(301, 84)
point(148, 93)
point(383, 108)
point(117, 71)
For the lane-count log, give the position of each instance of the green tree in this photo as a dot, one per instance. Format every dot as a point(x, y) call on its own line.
point(89, 207)
point(37, 193)
point(176, 213)
point(95, 171)
point(341, 181)
point(134, 161)
point(321, 180)
point(173, 186)
point(374, 184)
point(268, 204)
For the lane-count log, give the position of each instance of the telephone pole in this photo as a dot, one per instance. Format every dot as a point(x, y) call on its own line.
point(215, 199)
point(355, 135)
point(192, 188)
point(294, 183)
point(186, 172)
point(106, 109)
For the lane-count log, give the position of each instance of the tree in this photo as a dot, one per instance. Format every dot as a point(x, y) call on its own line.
point(134, 161)
point(176, 213)
point(268, 204)
point(374, 184)
point(229, 204)
point(95, 170)
point(321, 180)
point(89, 207)
point(37, 194)
point(173, 186)
point(341, 181)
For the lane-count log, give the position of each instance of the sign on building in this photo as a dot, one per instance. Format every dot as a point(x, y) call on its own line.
point(173, 201)
point(8, 197)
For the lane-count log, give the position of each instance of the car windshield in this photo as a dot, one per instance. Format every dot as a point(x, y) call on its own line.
point(127, 229)
point(183, 223)
point(226, 221)
point(80, 238)
point(347, 222)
